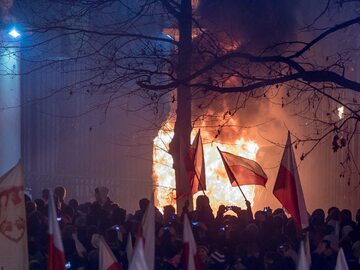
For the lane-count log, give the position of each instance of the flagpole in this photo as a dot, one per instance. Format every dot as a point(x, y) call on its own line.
point(201, 186)
point(241, 190)
point(229, 171)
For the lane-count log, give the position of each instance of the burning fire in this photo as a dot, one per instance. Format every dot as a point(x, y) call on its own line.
point(219, 189)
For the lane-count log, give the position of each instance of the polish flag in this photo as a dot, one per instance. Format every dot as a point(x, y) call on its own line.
point(107, 260)
point(288, 189)
point(147, 235)
point(195, 165)
point(341, 263)
point(191, 260)
point(56, 259)
point(243, 171)
point(138, 261)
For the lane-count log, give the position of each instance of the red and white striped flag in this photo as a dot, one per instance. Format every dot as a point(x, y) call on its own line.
point(56, 255)
point(191, 260)
point(288, 188)
point(195, 165)
point(107, 260)
point(13, 235)
point(242, 170)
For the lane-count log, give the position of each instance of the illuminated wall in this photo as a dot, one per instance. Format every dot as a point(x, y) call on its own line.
point(10, 126)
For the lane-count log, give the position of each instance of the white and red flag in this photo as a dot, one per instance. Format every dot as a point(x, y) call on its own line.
point(13, 236)
point(243, 171)
point(147, 235)
point(191, 259)
point(138, 261)
point(56, 255)
point(107, 260)
point(195, 165)
point(341, 263)
point(288, 188)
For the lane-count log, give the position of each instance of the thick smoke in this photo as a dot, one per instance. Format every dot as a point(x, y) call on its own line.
point(255, 23)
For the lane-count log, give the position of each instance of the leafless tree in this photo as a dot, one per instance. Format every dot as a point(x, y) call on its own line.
point(166, 51)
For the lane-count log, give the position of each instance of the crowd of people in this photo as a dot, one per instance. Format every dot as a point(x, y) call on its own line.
point(265, 240)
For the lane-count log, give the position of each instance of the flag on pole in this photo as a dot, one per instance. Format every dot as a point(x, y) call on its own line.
point(191, 260)
point(341, 263)
point(56, 255)
point(107, 260)
point(195, 165)
point(13, 235)
point(288, 189)
point(138, 261)
point(243, 171)
point(302, 260)
point(147, 235)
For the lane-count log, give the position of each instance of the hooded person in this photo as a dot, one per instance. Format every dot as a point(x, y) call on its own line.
point(102, 198)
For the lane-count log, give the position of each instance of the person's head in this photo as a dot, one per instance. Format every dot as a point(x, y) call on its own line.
point(358, 216)
point(101, 194)
point(30, 207)
point(345, 216)
point(45, 194)
point(203, 252)
point(319, 214)
point(74, 204)
point(202, 202)
point(118, 216)
point(169, 213)
point(333, 213)
point(60, 193)
point(143, 204)
point(40, 205)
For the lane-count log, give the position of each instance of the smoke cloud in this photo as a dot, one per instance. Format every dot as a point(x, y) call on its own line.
point(258, 23)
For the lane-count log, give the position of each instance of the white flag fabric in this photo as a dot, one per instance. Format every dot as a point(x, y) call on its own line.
point(107, 260)
point(302, 260)
point(341, 263)
point(13, 235)
point(148, 234)
point(138, 261)
point(191, 261)
point(56, 255)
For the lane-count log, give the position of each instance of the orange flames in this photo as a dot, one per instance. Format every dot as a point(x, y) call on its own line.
point(219, 189)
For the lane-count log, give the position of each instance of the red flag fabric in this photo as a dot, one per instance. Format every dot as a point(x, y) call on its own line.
point(191, 259)
point(243, 171)
point(13, 235)
point(288, 188)
point(107, 260)
point(195, 165)
point(56, 256)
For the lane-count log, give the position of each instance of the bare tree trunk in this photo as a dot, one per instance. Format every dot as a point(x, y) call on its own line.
point(181, 141)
